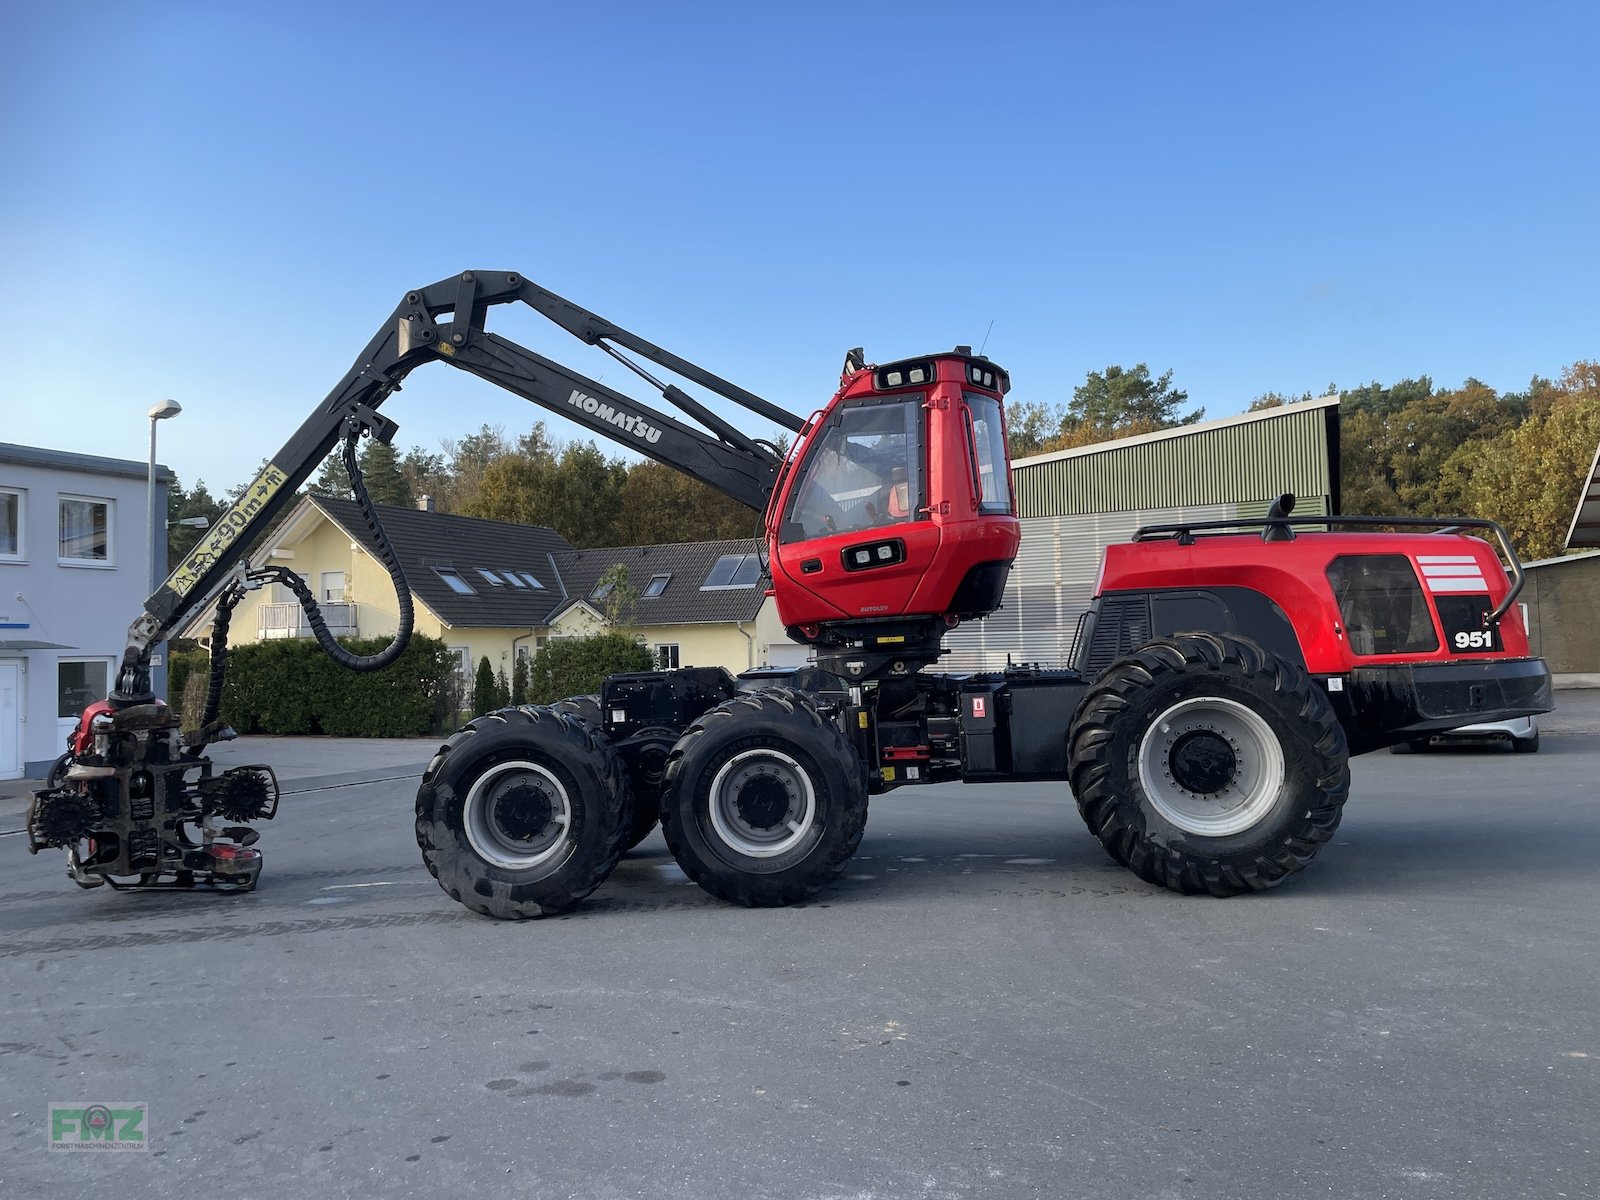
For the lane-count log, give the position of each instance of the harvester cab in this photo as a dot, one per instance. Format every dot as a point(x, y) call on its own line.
point(892, 521)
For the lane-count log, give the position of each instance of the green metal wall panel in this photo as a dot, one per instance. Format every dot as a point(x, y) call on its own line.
point(1236, 464)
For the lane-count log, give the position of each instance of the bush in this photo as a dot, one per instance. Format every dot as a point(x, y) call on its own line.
point(292, 687)
point(519, 681)
point(483, 697)
point(578, 666)
point(183, 666)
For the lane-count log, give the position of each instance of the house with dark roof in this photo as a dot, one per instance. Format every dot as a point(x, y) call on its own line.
point(498, 590)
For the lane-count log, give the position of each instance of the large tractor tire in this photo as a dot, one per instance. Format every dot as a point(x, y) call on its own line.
point(523, 813)
point(765, 800)
point(1206, 764)
point(646, 807)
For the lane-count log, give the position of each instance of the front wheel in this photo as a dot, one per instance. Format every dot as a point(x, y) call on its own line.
point(523, 813)
point(764, 801)
point(1205, 764)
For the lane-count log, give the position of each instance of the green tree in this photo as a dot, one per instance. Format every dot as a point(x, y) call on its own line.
point(659, 505)
point(502, 688)
point(426, 475)
point(381, 474)
point(1529, 477)
point(333, 479)
point(483, 692)
point(466, 461)
point(516, 484)
point(519, 680)
point(618, 597)
point(1117, 401)
point(578, 666)
point(193, 505)
point(1032, 426)
point(585, 497)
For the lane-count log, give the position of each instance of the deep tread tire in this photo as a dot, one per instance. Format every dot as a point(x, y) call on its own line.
point(553, 746)
point(646, 815)
point(1303, 743)
point(772, 735)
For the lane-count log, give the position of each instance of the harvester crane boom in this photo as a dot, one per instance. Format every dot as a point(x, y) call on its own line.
point(446, 320)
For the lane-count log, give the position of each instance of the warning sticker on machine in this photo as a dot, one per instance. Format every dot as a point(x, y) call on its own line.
point(227, 530)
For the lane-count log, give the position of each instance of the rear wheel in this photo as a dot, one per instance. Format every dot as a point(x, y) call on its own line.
point(523, 813)
point(1204, 763)
point(646, 801)
point(765, 800)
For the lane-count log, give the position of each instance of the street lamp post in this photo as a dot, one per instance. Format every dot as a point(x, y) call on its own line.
point(158, 412)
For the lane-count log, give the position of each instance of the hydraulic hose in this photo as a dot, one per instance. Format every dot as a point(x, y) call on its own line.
point(391, 563)
point(319, 627)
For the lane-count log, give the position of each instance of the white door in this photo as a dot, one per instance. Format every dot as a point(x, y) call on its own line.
point(10, 720)
point(788, 654)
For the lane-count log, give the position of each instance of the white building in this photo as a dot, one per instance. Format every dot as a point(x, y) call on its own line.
point(74, 573)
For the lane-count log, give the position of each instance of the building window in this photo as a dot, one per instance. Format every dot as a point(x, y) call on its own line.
point(490, 577)
point(531, 581)
point(733, 571)
point(666, 655)
point(12, 523)
point(454, 581)
point(657, 585)
point(463, 657)
point(333, 587)
point(282, 593)
point(85, 531)
point(80, 682)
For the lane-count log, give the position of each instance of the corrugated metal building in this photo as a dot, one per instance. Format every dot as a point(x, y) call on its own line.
point(1076, 502)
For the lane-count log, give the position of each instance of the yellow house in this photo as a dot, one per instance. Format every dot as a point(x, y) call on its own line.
point(492, 589)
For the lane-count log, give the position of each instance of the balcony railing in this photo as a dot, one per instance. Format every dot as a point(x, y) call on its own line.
point(289, 621)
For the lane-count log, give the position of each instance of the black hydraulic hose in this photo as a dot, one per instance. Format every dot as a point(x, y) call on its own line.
point(219, 654)
point(231, 596)
point(391, 562)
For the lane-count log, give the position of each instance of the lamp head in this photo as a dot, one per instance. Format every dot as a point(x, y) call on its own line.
point(163, 409)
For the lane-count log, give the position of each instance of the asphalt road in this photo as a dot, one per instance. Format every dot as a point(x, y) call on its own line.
point(986, 1006)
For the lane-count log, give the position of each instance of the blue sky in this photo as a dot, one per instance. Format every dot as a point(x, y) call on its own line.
point(221, 203)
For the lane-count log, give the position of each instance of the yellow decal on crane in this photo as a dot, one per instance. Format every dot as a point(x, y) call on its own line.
point(226, 531)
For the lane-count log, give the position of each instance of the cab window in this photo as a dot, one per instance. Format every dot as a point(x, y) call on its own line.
point(1383, 606)
point(989, 447)
point(863, 472)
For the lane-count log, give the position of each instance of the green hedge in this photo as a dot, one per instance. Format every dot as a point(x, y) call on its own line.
point(577, 666)
point(289, 686)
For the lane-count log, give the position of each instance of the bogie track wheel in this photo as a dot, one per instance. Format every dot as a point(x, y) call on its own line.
point(523, 813)
point(765, 800)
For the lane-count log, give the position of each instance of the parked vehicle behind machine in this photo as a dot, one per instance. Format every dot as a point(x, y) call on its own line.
point(1222, 677)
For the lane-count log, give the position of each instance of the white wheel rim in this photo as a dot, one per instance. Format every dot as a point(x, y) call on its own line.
point(1196, 799)
point(747, 795)
point(493, 800)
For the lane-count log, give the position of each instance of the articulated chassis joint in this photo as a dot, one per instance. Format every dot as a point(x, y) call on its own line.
point(137, 814)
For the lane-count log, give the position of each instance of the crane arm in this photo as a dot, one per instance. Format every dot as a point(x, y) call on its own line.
point(446, 320)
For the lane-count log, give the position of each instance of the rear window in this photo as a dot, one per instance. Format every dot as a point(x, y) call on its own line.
point(1382, 604)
